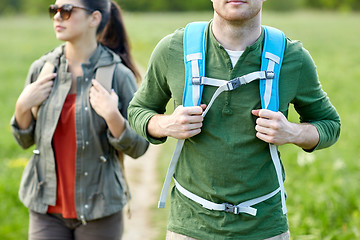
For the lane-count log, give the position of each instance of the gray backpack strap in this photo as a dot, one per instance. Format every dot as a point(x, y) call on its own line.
point(104, 76)
point(47, 69)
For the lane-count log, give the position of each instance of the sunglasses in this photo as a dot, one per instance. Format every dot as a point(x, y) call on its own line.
point(65, 10)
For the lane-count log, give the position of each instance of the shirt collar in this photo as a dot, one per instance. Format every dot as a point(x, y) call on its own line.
point(215, 43)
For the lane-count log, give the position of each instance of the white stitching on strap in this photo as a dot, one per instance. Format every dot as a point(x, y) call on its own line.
point(268, 86)
point(272, 57)
point(194, 56)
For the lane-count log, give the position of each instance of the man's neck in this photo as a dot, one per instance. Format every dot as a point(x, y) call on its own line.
point(236, 36)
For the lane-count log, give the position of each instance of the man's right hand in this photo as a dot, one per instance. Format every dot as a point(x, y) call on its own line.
point(184, 122)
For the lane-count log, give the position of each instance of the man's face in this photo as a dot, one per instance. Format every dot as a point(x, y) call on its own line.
point(237, 10)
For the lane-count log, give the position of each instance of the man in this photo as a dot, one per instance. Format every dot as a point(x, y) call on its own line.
point(225, 158)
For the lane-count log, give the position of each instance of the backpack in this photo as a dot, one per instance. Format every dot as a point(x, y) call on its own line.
point(104, 76)
point(194, 59)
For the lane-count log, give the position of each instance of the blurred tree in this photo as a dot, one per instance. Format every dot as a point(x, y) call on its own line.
point(345, 5)
point(283, 5)
point(36, 6)
point(10, 6)
point(162, 5)
point(40, 6)
point(138, 5)
point(198, 5)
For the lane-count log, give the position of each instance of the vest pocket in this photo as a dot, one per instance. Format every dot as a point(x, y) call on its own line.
point(31, 186)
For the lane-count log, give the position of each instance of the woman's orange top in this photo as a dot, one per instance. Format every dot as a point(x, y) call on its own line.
point(64, 144)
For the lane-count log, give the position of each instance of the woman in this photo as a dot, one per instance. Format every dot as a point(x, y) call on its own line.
point(73, 185)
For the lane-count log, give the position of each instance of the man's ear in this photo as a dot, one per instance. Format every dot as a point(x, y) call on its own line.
point(95, 19)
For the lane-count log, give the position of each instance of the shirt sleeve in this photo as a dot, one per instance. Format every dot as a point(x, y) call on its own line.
point(153, 94)
point(314, 106)
point(25, 137)
point(129, 142)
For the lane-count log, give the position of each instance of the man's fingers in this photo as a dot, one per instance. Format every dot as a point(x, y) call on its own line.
point(265, 113)
point(265, 138)
point(194, 126)
point(263, 122)
point(203, 106)
point(255, 112)
point(194, 110)
point(264, 130)
point(189, 134)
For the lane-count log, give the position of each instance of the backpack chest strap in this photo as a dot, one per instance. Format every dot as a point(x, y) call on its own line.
point(244, 207)
point(224, 85)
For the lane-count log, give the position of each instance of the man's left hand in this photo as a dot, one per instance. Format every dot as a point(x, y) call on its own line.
point(273, 127)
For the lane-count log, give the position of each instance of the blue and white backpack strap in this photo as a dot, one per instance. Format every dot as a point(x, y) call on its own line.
point(194, 60)
point(273, 51)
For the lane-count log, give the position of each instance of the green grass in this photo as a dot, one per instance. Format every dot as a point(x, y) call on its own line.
point(322, 187)
point(22, 41)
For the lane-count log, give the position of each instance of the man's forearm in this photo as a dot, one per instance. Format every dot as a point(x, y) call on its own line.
point(155, 128)
point(306, 135)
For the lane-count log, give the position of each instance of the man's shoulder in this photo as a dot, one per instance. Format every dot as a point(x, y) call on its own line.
point(295, 51)
point(293, 45)
point(173, 40)
point(170, 45)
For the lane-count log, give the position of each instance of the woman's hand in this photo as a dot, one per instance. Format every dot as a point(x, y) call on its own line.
point(106, 105)
point(32, 96)
point(37, 92)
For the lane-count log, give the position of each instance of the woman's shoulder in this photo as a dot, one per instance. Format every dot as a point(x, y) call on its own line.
point(52, 56)
point(108, 57)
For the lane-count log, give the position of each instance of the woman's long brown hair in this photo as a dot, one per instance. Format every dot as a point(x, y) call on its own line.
point(112, 33)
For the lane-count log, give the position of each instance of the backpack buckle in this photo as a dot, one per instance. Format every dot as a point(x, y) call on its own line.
point(231, 208)
point(196, 80)
point(269, 74)
point(233, 84)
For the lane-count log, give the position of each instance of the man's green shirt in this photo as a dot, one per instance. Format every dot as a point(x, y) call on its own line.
point(226, 163)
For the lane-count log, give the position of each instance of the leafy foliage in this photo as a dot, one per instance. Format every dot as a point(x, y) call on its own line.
point(40, 6)
point(344, 5)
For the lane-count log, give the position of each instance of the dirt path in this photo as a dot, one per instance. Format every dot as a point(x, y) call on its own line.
point(141, 175)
